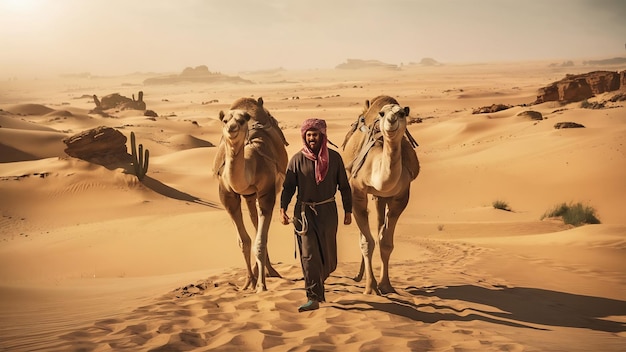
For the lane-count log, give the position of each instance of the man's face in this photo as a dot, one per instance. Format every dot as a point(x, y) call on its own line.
point(313, 140)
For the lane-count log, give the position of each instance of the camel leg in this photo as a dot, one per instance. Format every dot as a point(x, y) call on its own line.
point(380, 214)
point(254, 217)
point(266, 208)
point(359, 210)
point(269, 269)
point(359, 276)
point(232, 203)
point(394, 209)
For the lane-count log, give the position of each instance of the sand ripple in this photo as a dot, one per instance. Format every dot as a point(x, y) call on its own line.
point(442, 304)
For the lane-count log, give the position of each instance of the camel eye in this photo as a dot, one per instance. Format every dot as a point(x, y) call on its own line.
point(242, 119)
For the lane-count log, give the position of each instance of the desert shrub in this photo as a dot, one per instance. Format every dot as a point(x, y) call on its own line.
point(500, 204)
point(573, 214)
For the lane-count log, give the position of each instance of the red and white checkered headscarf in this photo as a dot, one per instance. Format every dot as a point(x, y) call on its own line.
point(321, 159)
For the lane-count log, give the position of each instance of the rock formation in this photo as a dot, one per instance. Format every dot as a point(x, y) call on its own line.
point(353, 64)
point(560, 125)
point(533, 115)
point(117, 101)
point(199, 74)
point(428, 61)
point(150, 113)
point(101, 145)
point(579, 87)
point(491, 108)
point(613, 61)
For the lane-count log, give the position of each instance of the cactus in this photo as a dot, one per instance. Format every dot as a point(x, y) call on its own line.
point(140, 161)
point(96, 101)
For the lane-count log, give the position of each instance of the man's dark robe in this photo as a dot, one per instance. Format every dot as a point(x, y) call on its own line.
point(318, 248)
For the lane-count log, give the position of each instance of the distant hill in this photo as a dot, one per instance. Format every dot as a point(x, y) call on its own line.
point(266, 72)
point(613, 61)
point(355, 64)
point(428, 61)
point(199, 74)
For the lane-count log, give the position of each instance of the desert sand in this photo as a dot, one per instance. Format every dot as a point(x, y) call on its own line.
point(91, 259)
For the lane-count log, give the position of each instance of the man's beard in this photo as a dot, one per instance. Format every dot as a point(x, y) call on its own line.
point(314, 146)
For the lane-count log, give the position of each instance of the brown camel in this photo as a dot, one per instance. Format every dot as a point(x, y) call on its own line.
point(251, 161)
point(381, 161)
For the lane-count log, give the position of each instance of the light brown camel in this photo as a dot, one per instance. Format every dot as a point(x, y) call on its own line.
point(381, 161)
point(251, 161)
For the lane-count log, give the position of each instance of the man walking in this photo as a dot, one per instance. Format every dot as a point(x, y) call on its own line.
point(317, 173)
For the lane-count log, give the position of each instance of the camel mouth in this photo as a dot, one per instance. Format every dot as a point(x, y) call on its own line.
point(232, 130)
point(393, 129)
point(232, 134)
point(392, 126)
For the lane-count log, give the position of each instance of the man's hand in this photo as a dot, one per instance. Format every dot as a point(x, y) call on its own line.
point(284, 218)
point(347, 220)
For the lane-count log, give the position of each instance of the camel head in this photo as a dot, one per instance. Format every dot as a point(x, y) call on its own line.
point(235, 129)
point(393, 120)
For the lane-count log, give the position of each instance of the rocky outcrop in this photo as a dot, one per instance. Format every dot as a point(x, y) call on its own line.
point(491, 108)
point(355, 64)
point(613, 61)
point(560, 125)
point(199, 74)
point(201, 70)
point(575, 88)
point(427, 61)
point(117, 101)
point(101, 145)
point(533, 115)
point(150, 113)
point(618, 97)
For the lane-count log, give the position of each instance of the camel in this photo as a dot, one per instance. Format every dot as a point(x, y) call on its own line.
point(251, 161)
point(381, 161)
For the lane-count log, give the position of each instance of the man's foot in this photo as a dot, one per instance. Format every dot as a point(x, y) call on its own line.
point(310, 305)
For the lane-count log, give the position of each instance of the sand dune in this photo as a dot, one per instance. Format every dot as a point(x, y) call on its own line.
point(184, 142)
point(42, 144)
point(91, 259)
point(29, 109)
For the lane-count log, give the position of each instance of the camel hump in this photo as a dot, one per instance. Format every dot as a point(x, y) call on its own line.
point(246, 103)
point(253, 107)
point(383, 100)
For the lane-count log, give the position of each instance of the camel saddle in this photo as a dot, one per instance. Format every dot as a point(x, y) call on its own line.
point(373, 136)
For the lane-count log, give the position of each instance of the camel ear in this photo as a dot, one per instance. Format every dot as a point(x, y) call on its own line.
point(406, 111)
point(222, 115)
point(260, 101)
point(367, 104)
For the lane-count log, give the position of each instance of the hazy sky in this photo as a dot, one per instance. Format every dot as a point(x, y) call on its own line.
point(123, 36)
